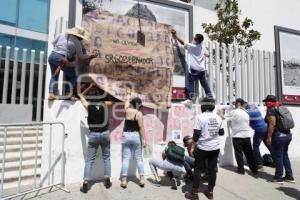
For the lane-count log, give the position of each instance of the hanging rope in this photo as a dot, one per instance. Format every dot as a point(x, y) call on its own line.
point(140, 34)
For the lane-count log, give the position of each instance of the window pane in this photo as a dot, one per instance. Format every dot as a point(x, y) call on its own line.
point(8, 12)
point(6, 40)
point(30, 45)
point(33, 15)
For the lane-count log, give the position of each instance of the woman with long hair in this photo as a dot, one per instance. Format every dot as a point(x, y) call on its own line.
point(133, 139)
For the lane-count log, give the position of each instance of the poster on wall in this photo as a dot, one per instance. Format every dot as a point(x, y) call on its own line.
point(171, 13)
point(288, 64)
point(124, 66)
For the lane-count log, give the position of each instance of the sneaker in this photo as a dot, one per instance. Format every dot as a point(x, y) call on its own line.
point(84, 187)
point(52, 97)
point(123, 182)
point(289, 179)
point(239, 171)
point(156, 183)
point(175, 183)
point(107, 183)
point(209, 194)
point(72, 98)
point(193, 195)
point(187, 103)
point(260, 168)
point(277, 180)
point(142, 181)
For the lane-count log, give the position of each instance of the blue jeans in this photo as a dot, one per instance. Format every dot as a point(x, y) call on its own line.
point(280, 146)
point(131, 144)
point(188, 165)
point(192, 78)
point(96, 139)
point(54, 61)
point(167, 166)
point(257, 139)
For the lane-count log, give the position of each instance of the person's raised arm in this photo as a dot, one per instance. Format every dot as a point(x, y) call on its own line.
point(142, 128)
point(176, 37)
point(82, 96)
point(81, 55)
point(127, 101)
point(55, 40)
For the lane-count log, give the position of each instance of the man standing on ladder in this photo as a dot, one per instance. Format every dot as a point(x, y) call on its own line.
point(196, 66)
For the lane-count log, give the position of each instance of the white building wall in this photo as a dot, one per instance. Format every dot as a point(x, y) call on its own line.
point(73, 115)
point(265, 15)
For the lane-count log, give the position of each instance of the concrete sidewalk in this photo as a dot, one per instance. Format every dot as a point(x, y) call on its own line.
point(230, 186)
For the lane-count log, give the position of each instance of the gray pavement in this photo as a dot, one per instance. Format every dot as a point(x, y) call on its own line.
point(230, 186)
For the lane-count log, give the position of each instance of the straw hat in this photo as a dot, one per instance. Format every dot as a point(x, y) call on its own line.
point(79, 32)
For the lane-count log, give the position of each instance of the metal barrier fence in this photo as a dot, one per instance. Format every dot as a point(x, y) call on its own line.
point(16, 74)
point(238, 72)
point(47, 181)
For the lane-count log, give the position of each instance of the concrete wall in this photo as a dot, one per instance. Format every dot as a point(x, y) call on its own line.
point(159, 128)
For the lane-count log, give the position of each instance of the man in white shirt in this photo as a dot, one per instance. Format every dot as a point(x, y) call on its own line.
point(196, 66)
point(241, 133)
point(208, 128)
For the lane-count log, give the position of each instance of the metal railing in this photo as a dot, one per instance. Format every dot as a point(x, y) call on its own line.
point(50, 164)
point(238, 72)
point(29, 84)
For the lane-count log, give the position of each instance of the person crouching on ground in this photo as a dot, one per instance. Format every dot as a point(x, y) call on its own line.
point(99, 135)
point(133, 139)
point(208, 128)
point(172, 161)
point(241, 137)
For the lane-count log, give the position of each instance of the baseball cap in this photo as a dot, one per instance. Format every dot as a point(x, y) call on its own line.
point(271, 98)
point(240, 100)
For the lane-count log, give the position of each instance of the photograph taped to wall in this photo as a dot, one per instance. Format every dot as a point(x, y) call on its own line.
point(177, 136)
point(288, 48)
point(158, 12)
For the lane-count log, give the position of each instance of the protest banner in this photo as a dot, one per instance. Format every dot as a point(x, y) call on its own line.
point(123, 65)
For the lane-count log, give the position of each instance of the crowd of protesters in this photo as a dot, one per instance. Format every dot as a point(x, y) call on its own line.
point(199, 161)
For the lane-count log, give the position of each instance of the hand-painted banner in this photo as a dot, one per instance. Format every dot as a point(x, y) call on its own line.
point(127, 66)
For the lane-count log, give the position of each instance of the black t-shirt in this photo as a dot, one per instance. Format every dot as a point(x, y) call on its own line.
point(98, 120)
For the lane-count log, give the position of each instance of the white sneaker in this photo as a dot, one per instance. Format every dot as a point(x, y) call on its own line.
point(187, 102)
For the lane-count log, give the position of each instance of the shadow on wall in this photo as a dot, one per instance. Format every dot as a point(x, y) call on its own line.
point(291, 192)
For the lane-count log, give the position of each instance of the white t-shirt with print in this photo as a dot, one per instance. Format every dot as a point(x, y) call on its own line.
point(240, 123)
point(209, 123)
point(196, 56)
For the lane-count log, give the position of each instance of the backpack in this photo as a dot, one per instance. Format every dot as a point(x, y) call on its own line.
point(268, 160)
point(175, 153)
point(284, 119)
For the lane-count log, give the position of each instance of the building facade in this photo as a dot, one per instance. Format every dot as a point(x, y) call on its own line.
point(24, 24)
